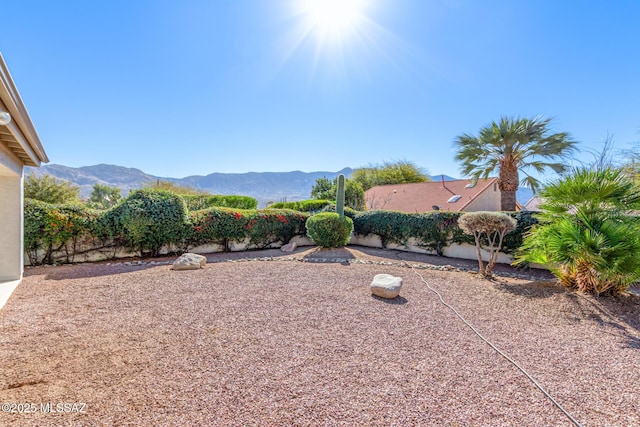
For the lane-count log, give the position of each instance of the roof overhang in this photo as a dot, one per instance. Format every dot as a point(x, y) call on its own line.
point(19, 135)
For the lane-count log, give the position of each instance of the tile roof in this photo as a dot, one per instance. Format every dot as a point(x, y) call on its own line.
point(423, 196)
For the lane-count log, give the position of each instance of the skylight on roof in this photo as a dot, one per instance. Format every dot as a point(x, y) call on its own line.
point(454, 199)
point(470, 185)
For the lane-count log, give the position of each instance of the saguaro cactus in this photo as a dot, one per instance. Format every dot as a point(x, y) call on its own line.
point(340, 196)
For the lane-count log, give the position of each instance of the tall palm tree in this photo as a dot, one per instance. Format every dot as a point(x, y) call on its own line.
point(512, 146)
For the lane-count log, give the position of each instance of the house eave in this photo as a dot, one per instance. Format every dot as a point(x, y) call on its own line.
point(19, 135)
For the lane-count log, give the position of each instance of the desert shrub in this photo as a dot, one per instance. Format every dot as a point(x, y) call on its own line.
point(50, 228)
point(490, 227)
point(145, 221)
point(205, 201)
point(588, 233)
point(302, 205)
point(329, 230)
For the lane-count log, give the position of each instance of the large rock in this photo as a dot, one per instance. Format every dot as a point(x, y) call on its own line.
point(386, 285)
point(189, 261)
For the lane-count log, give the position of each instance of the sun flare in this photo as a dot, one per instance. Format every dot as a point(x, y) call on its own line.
point(333, 17)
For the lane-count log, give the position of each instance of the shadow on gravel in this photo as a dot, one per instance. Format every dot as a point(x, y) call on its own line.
point(621, 313)
point(618, 314)
point(391, 301)
point(339, 255)
point(533, 289)
point(82, 271)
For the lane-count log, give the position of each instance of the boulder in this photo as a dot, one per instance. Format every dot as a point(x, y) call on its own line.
point(386, 285)
point(189, 261)
point(289, 247)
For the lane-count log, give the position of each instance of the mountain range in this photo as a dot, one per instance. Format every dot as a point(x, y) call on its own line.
point(264, 186)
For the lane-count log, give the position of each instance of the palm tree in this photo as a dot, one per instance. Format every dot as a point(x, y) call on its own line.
point(512, 146)
point(588, 233)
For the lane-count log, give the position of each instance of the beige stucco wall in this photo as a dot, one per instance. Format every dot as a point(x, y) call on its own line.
point(11, 245)
point(489, 200)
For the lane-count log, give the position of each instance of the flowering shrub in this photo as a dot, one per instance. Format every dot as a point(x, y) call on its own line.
point(216, 225)
point(271, 226)
point(53, 228)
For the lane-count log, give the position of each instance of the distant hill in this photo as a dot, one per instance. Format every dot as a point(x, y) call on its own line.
point(264, 186)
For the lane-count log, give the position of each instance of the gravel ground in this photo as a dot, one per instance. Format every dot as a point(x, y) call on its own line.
point(289, 343)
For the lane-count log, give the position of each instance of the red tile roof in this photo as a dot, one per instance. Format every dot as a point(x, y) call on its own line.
point(423, 196)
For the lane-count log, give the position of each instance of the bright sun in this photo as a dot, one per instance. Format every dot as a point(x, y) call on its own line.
point(333, 18)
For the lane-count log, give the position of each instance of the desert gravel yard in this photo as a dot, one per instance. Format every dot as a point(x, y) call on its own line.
point(290, 343)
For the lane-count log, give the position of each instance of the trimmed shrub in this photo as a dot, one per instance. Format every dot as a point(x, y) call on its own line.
point(329, 230)
point(490, 227)
point(302, 205)
point(146, 220)
point(197, 202)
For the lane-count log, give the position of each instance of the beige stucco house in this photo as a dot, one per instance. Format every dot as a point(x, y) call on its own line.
point(19, 147)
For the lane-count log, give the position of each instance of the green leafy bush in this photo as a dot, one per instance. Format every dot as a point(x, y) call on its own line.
point(524, 221)
point(146, 220)
point(432, 230)
point(302, 205)
point(197, 202)
point(329, 230)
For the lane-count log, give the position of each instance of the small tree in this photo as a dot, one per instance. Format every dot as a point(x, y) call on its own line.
point(103, 197)
point(50, 190)
point(399, 172)
point(490, 228)
point(174, 188)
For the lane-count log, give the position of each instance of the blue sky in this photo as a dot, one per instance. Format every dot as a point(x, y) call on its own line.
point(188, 87)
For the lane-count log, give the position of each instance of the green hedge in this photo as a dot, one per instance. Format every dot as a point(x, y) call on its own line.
point(312, 205)
point(149, 219)
point(197, 202)
point(432, 230)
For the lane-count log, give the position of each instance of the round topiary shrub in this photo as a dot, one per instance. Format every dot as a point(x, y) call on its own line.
point(329, 230)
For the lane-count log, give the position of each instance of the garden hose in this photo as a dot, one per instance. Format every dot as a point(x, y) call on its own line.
point(501, 353)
